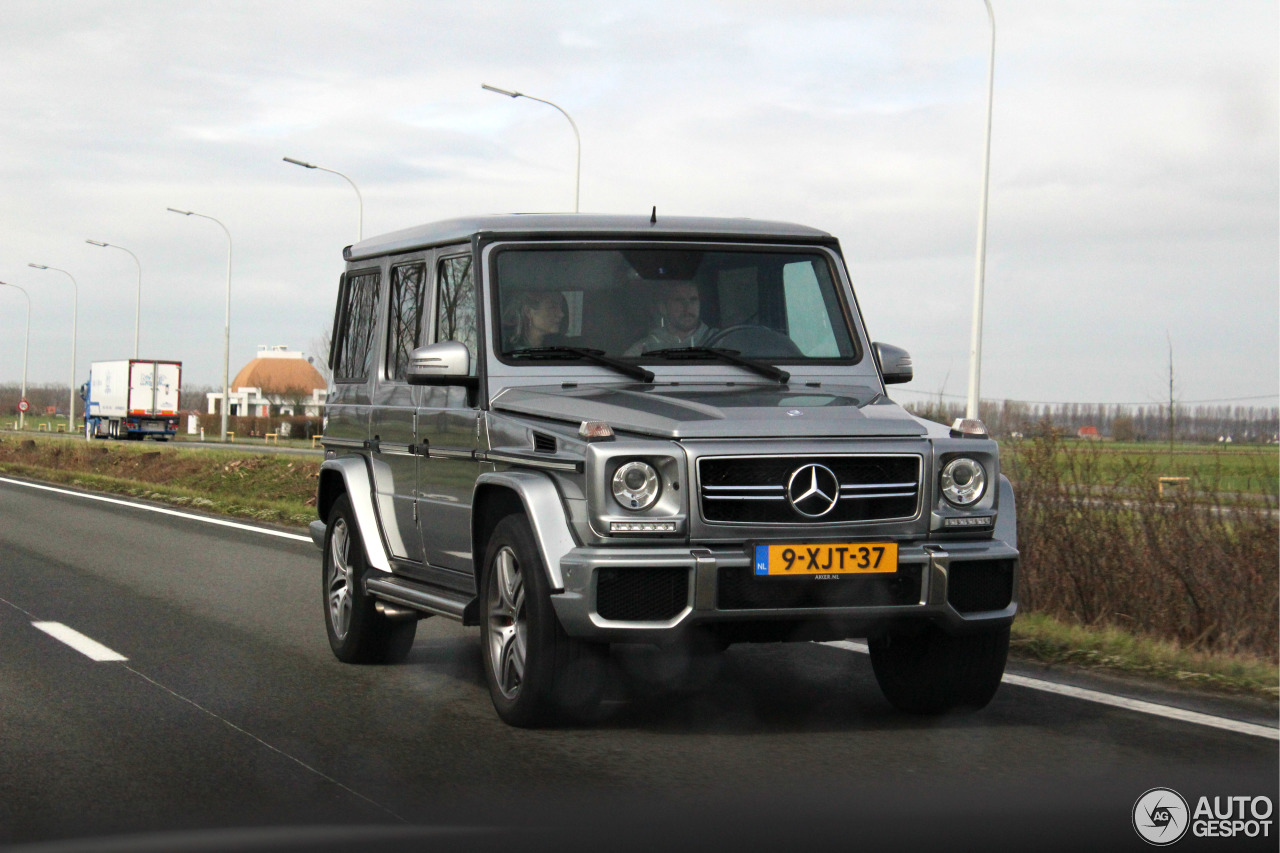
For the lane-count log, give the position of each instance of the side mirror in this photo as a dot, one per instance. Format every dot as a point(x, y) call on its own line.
point(445, 363)
point(895, 364)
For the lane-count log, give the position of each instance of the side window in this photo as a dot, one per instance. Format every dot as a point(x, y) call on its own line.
point(810, 311)
point(357, 326)
point(404, 330)
point(456, 304)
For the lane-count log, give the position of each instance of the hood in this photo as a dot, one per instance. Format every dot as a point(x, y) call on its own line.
point(718, 411)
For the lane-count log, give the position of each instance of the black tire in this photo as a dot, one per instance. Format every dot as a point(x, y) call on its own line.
point(358, 633)
point(930, 672)
point(537, 674)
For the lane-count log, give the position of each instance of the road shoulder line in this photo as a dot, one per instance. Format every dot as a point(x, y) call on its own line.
point(221, 522)
point(1168, 712)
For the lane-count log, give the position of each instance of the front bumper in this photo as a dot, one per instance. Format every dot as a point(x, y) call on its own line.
point(960, 586)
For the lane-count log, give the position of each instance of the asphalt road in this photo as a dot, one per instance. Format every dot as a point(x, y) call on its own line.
point(230, 725)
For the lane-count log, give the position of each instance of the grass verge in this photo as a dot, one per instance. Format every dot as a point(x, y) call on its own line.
point(1040, 637)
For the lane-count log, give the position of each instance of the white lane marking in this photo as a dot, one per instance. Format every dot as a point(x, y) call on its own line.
point(91, 649)
point(162, 510)
point(1152, 708)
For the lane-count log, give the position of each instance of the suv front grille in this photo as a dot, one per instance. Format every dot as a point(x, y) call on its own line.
point(765, 489)
point(739, 588)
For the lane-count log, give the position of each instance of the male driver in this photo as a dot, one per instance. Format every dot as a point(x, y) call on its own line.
point(679, 320)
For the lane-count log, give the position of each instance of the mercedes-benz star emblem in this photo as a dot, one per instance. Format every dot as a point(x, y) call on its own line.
point(813, 490)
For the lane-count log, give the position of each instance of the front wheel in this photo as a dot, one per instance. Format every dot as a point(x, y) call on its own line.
point(358, 633)
point(537, 674)
point(930, 672)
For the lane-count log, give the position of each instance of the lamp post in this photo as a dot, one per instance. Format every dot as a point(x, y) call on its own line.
point(975, 346)
point(26, 346)
point(75, 312)
point(137, 311)
point(577, 179)
point(359, 198)
point(226, 335)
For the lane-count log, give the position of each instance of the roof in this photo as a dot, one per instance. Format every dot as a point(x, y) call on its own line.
point(279, 376)
point(580, 225)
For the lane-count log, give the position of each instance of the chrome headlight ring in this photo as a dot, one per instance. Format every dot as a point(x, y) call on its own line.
point(963, 481)
point(636, 485)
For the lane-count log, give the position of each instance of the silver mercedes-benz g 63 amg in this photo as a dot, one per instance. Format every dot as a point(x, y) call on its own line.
point(577, 430)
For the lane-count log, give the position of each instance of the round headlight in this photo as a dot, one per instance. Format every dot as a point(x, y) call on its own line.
point(963, 481)
point(636, 485)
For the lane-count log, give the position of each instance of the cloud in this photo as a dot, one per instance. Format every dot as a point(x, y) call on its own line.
point(1134, 178)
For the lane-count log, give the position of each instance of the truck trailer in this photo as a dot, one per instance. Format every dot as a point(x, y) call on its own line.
point(132, 399)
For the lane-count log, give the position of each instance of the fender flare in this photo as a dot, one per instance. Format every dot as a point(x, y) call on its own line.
point(358, 484)
point(543, 508)
point(1007, 517)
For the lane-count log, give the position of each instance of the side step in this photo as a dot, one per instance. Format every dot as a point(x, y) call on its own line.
point(419, 596)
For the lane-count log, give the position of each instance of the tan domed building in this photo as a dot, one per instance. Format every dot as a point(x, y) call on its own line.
point(277, 382)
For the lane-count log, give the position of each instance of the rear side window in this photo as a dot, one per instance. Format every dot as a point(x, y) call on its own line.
point(404, 331)
point(456, 305)
point(356, 326)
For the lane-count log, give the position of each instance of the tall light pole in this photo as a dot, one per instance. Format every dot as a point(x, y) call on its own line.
point(137, 311)
point(577, 178)
point(975, 338)
point(359, 198)
point(26, 346)
point(226, 335)
point(75, 313)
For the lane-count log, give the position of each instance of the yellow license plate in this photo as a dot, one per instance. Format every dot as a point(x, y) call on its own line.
point(841, 558)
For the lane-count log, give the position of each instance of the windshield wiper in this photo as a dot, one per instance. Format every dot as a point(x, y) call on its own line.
point(594, 356)
point(729, 356)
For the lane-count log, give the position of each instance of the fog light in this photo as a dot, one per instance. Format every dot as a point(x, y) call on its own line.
point(968, 521)
point(642, 527)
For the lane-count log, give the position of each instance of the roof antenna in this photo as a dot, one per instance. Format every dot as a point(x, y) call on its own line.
point(653, 217)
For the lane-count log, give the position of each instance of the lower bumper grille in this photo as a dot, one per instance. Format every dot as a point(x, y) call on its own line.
point(641, 595)
point(738, 588)
point(977, 585)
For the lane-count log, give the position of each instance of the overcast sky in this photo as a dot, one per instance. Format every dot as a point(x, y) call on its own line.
point(1135, 197)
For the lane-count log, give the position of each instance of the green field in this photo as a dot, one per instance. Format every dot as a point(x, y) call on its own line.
point(1238, 469)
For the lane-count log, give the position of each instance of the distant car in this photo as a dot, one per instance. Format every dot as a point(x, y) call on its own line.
point(521, 436)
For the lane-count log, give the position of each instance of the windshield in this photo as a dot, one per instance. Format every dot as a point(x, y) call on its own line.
point(648, 304)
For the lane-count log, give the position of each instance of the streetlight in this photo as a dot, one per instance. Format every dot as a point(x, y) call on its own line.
point(75, 312)
point(137, 312)
point(359, 199)
point(975, 346)
point(577, 180)
point(26, 346)
point(226, 336)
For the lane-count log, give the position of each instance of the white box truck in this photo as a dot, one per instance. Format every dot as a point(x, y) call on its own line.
point(132, 399)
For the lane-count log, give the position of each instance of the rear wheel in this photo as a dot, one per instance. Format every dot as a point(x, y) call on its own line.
point(930, 672)
point(358, 633)
point(537, 674)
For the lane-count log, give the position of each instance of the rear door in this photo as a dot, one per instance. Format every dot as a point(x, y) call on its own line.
point(449, 422)
point(395, 411)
